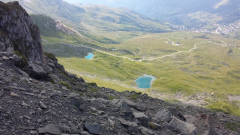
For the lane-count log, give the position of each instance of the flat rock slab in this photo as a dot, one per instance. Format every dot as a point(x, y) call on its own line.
point(49, 129)
point(127, 123)
point(5, 58)
point(114, 101)
point(168, 113)
point(142, 118)
point(183, 127)
point(134, 105)
point(17, 88)
point(97, 104)
point(93, 129)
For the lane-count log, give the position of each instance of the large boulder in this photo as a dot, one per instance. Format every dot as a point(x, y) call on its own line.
point(142, 118)
point(168, 113)
point(127, 111)
point(134, 105)
point(96, 103)
point(49, 129)
point(182, 127)
point(93, 129)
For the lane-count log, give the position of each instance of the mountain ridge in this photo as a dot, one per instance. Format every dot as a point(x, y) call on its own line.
point(176, 12)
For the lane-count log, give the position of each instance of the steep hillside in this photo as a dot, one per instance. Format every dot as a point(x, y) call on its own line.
point(54, 28)
point(63, 104)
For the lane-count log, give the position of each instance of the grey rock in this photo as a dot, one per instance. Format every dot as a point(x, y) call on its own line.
point(5, 58)
point(3, 54)
point(127, 123)
point(168, 113)
point(155, 126)
point(36, 70)
point(21, 30)
point(14, 94)
point(42, 105)
point(18, 88)
point(84, 133)
point(43, 92)
point(127, 111)
point(114, 101)
point(74, 95)
point(134, 105)
point(9, 51)
point(25, 104)
point(15, 58)
point(64, 129)
point(183, 127)
point(49, 129)
point(51, 65)
point(93, 129)
point(120, 103)
point(142, 118)
point(33, 132)
point(70, 134)
point(97, 104)
point(234, 133)
point(23, 73)
point(146, 131)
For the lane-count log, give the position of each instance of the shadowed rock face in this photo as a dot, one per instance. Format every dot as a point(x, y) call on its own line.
point(18, 32)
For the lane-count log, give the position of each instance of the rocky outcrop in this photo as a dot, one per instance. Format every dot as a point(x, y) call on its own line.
point(60, 26)
point(20, 36)
point(18, 33)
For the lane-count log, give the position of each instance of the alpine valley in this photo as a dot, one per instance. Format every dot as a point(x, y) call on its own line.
point(120, 67)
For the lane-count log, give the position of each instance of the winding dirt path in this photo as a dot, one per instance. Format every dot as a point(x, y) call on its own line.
point(164, 56)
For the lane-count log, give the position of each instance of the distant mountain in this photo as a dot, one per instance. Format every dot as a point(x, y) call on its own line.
point(94, 18)
point(177, 12)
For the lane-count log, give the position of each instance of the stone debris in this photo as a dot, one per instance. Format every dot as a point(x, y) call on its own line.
point(49, 129)
point(183, 127)
point(93, 129)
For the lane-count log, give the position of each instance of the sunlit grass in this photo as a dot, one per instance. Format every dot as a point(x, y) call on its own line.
point(207, 69)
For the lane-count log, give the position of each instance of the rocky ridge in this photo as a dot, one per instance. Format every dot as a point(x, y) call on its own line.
point(60, 103)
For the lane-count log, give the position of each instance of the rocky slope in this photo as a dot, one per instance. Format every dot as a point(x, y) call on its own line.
point(54, 28)
point(63, 104)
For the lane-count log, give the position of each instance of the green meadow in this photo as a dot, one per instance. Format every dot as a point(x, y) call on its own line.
point(209, 68)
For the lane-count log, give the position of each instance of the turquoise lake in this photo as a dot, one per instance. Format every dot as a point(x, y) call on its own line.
point(90, 56)
point(145, 81)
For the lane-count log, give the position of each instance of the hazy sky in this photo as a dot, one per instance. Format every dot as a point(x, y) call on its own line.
point(72, 1)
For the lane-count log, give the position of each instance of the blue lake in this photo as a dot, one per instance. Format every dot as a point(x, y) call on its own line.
point(90, 56)
point(145, 81)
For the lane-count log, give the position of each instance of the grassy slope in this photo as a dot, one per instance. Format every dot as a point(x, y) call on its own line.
point(208, 69)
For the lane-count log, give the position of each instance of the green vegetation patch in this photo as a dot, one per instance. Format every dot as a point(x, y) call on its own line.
point(112, 97)
point(92, 90)
point(225, 107)
point(50, 56)
point(66, 84)
point(232, 126)
point(23, 62)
